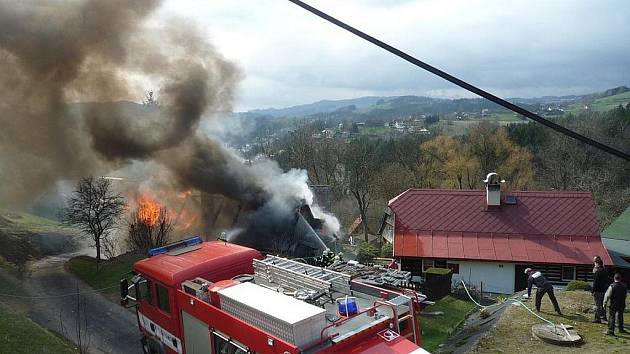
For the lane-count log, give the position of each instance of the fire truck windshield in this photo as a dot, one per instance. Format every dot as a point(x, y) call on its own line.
point(138, 291)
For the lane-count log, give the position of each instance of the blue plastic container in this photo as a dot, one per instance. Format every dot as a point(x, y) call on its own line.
point(347, 306)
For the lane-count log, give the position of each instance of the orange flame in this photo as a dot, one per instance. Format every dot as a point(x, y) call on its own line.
point(148, 210)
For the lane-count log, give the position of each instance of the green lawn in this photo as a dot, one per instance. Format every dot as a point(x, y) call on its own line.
point(108, 273)
point(15, 221)
point(20, 335)
point(502, 117)
point(513, 330)
point(437, 329)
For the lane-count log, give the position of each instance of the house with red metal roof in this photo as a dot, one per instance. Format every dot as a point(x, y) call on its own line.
point(488, 238)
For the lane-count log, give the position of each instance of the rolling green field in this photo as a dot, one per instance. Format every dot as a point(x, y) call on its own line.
point(502, 117)
point(602, 104)
point(19, 221)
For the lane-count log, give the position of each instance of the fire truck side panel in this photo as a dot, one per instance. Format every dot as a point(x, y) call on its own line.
point(216, 319)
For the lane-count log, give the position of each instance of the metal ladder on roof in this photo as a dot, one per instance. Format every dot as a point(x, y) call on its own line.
point(296, 275)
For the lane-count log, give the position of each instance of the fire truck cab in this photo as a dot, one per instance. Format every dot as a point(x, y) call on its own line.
point(197, 297)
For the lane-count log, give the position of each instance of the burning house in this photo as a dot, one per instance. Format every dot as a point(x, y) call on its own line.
point(101, 52)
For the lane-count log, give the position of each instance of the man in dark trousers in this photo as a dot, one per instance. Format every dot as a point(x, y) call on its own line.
point(600, 284)
point(616, 295)
point(544, 287)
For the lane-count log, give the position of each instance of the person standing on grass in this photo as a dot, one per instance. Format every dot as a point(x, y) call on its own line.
point(600, 284)
point(543, 287)
point(616, 294)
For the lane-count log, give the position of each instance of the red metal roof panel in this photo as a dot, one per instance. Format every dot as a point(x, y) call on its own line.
point(547, 213)
point(506, 247)
point(471, 246)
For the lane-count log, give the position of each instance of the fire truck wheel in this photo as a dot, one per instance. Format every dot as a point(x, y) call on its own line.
point(152, 345)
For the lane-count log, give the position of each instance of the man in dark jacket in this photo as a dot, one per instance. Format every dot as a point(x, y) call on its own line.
point(543, 287)
point(600, 284)
point(616, 295)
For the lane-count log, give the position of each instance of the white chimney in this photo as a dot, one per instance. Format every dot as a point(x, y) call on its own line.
point(493, 189)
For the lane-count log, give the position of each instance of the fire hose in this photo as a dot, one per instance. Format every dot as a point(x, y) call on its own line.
point(517, 302)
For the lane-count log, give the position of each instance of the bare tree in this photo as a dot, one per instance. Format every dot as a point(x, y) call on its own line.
point(361, 167)
point(94, 208)
point(148, 231)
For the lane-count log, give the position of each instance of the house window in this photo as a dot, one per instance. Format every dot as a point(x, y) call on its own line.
point(568, 273)
point(426, 264)
point(162, 298)
point(454, 267)
point(439, 263)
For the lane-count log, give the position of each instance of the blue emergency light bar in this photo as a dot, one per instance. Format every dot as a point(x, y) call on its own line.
point(195, 240)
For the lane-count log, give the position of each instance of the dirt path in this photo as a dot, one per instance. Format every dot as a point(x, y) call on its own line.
point(111, 328)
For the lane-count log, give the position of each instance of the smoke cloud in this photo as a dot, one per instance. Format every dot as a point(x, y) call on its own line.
point(99, 53)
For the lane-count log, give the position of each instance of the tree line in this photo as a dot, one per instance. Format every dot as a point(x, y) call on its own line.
point(366, 172)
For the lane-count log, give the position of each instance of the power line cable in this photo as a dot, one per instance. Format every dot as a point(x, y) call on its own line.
point(461, 83)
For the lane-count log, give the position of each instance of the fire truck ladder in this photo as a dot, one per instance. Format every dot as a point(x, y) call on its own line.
point(296, 275)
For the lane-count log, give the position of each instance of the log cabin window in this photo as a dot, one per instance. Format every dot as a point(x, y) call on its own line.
point(439, 263)
point(568, 273)
point(426, 264)
point(454, 267)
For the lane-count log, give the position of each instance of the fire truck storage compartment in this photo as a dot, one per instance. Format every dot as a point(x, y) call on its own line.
point(287, 318)
point(196, 335)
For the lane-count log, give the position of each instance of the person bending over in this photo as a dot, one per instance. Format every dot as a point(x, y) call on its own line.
point(543, 287)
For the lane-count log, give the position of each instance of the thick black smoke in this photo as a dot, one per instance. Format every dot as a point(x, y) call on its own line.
point(98, 53)
point(52, 53)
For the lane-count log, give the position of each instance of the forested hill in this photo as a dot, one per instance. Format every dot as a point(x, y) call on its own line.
point(323, 106)
point(374, 106)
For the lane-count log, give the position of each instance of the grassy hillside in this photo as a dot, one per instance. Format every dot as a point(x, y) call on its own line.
point(13, 221)
point(25, 236)
point(513, 331)
point(21, 335)
point(602, 104)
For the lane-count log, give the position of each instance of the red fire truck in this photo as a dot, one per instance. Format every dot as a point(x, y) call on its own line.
point(198, 297)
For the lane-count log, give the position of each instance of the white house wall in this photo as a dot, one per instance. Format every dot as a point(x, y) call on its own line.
point(496, 277)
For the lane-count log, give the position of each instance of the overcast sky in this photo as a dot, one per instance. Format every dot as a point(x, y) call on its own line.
point(513, 48)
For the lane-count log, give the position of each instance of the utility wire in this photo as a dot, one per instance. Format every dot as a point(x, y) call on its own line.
point(463, 84)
